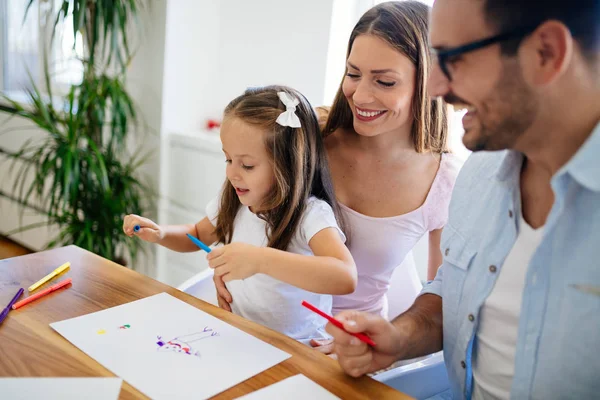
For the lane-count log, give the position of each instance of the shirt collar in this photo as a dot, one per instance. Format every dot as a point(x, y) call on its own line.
point(584, 166)
point(510, 166)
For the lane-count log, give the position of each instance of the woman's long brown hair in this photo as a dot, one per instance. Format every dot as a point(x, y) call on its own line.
point(299, 164)
point(402, 24)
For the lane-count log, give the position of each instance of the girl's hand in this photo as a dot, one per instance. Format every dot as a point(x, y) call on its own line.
point(324, 346)
point(149, 231)
point(236, 261)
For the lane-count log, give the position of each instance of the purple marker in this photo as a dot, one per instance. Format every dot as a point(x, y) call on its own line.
point(4, 312)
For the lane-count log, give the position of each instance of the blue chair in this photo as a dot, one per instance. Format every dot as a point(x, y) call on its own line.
point(422, 379)
point(201, 286)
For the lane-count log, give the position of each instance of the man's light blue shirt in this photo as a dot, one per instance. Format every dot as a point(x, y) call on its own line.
point(558, 345)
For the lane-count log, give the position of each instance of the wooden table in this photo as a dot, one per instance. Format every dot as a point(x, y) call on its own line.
point(30, 348)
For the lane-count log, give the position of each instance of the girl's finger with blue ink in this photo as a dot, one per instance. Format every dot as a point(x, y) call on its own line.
point(141, 227)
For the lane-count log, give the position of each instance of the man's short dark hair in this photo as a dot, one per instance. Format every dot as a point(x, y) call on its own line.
point(582, 17)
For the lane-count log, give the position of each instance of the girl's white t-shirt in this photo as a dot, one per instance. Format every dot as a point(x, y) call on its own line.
point(271, 302)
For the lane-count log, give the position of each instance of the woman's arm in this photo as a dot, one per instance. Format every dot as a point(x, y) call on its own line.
point(435, 254)
point(331, 270)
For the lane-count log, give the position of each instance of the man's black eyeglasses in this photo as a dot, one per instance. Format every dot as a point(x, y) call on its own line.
point(444, 55)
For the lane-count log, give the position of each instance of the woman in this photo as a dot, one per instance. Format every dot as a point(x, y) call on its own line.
point(386, 142)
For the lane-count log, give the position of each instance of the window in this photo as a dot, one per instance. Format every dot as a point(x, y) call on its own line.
point(22, 43)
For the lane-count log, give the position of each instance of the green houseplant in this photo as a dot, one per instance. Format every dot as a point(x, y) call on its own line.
point(85, 179)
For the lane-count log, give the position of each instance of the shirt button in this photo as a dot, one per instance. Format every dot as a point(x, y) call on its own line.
point(462, 364)
point(493, 269)
point(471, 317)
point(447, 252)
point(510, 214)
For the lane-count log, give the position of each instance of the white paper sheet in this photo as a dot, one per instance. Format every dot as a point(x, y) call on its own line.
point(60, 388)
point(168, 349)
point(297, 387)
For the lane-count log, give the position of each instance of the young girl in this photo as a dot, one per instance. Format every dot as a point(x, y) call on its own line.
point(276, 215)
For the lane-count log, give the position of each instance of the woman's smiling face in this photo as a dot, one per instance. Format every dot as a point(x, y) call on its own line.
point(379, 86)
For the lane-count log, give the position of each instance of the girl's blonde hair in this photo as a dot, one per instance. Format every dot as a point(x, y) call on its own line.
point(299, 164)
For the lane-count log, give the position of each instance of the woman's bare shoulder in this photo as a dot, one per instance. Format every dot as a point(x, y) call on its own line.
point(322, 115)
point(334, 141)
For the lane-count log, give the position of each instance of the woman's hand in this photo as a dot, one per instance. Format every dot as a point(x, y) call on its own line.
point(223, 295)
point(236, 261)
point(149, 231)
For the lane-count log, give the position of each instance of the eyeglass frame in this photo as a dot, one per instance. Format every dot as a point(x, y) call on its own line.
point(443, 55)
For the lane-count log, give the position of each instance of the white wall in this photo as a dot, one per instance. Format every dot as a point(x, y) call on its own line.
point(216, 49)
point(274, 42)
point(190, 64)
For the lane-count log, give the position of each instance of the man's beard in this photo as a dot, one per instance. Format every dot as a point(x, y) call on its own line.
point(506, 114)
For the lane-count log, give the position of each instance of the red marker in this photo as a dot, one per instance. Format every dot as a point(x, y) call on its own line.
point(337, 323)
point(41, 294)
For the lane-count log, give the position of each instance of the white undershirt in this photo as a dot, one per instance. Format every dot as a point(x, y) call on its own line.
point(494, 363)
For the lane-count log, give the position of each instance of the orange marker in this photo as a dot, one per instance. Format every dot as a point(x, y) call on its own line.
point(41, 294)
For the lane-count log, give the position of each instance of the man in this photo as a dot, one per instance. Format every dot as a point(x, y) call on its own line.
point(516, 303)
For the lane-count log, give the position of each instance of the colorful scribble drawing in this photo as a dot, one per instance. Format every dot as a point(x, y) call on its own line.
point(183, 344)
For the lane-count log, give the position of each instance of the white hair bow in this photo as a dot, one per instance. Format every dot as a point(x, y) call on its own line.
point(288, 117)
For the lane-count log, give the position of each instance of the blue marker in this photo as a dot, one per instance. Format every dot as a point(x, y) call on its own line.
point(198, 243)
point(136, 228)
